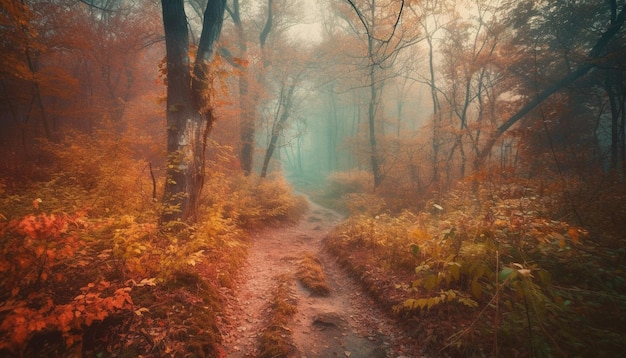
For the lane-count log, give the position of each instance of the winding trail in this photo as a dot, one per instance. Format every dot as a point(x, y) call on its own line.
point(343, 324)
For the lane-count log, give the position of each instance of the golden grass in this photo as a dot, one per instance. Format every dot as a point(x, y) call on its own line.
point(276, 341)
point(312, 275)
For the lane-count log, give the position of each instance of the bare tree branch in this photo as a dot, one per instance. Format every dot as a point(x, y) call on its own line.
point(91, 4)
point(367, 27)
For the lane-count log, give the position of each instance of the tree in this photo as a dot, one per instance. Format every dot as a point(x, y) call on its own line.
point(468, 56)
point(431, 14)
point(248, 100)
point(189, 110)
point(596, 57)
point(21, 48)
point(386, 33)
point(68, 66)
point(335, 98)
point(289, 81)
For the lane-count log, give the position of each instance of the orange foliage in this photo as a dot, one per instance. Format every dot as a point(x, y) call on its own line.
point(34, 246)
point(37, 251)
point(70, 319)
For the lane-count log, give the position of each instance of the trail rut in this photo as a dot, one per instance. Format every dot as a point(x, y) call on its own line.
point(343, 324)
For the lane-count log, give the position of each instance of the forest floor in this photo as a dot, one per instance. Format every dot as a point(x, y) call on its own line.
point(343, 323)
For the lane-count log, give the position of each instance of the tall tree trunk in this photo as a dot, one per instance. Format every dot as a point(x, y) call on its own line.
point(32, 66)
point(436, 140)
point(247, 103)
point(179, 113)
point(333, 128)
point(189, 114)
point(286, 101)
point(247, 113)
point(371, 113)
point(614, 122)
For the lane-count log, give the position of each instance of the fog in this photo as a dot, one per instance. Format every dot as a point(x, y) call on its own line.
point(282, 178)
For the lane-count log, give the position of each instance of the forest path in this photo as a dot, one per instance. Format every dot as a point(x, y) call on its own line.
point(343, 324)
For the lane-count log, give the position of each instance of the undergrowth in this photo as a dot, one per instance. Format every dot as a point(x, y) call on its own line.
point(491, 272)
point(256, 202)
point(86, 270)
point(342, 184)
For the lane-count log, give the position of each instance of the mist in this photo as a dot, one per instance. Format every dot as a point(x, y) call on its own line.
point(281, 178)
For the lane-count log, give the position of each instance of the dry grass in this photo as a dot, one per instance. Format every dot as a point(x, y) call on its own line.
point(312, 275)
point(276, 339)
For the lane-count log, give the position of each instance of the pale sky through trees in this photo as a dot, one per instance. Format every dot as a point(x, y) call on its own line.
point(309, 30)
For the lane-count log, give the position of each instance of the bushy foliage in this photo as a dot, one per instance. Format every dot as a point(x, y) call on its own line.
point(106, 261)
point(276, 339)
point(352, 192)
point(140, 249)
point(42, 259)
point(256, 203)
point(491, 256)
point(96, 171)
point(64, 272)
point(342, 185)
point(311, 274)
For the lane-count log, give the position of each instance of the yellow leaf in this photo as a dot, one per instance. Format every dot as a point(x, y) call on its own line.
point(141, 311)
point(433, 301)
point(430, 282)
point(421, 303)
point(454, 270)
point(500, 223)
point(477, 289)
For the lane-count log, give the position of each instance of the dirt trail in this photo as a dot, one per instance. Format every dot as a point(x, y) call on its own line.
point(343, 324)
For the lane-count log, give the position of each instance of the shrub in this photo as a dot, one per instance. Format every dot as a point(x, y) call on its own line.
point(343, 187)
point(311, 274)
point(491, 260)
point(265, 202)
point(341, 183)
point(96, 171)
point(40, 255)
